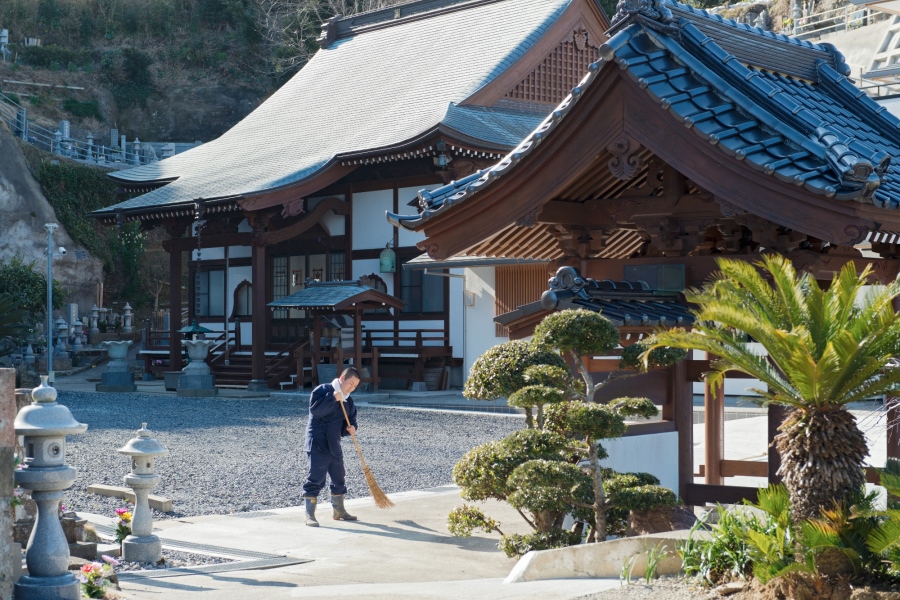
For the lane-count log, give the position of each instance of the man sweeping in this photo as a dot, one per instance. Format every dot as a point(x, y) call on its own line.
point(328, 422)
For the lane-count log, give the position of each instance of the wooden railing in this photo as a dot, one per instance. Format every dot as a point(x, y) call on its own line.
point(304, 356)
point(278, 368)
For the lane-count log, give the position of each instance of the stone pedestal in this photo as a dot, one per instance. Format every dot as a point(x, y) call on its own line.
point(197, 381)
point(170, 379)
point(116, 382)
point(118, 377)
point(197, 386)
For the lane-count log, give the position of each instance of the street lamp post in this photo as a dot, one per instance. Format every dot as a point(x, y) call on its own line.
point(51, 228)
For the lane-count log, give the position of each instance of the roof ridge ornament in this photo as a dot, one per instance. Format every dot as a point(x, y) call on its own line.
point(650, 13)
point(844, 155)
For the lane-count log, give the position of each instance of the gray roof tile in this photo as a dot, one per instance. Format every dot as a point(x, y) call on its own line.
point(371, 90)
point(820, 135)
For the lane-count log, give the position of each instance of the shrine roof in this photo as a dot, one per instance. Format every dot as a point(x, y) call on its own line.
point(386, 80)
point(624, 303)
point(336, 295)
point(782, 106)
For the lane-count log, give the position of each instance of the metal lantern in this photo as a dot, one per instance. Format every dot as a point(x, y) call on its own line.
point(388, 259)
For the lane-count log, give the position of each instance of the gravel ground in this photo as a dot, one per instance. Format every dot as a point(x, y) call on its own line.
point(171, 560)
point(664, 588)
point(231, 455)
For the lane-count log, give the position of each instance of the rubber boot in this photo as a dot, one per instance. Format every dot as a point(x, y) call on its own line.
point(311, 512)
point(339, 514)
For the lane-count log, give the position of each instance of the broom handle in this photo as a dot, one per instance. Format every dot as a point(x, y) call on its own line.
point(352, 435)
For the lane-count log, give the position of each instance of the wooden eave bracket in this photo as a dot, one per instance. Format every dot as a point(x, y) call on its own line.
point(338, 206)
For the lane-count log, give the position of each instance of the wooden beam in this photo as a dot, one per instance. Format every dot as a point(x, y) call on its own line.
point(273, 198)
point(699, 494)
point(270, 238)
point(218, 240)
point(648, 428)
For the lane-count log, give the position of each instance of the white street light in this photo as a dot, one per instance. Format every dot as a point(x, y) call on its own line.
point(51, 228)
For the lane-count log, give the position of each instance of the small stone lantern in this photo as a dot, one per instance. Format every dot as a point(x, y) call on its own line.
point(44, 425)
point(142, 546)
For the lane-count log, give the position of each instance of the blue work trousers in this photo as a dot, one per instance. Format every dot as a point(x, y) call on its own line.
point(321, 464)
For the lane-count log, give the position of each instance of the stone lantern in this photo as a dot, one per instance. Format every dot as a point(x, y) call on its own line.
point(95, 320)
point(142, 545)
point(118, 376)
point(62, 339)
point(196, 379)
point(77, 327)
point(44, 425)
point(126, 319)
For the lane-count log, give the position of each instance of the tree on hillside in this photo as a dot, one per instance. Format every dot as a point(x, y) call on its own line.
point(28, 289)
point(823, 350)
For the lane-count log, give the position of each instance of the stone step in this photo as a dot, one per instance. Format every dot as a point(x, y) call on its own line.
point(160, 503)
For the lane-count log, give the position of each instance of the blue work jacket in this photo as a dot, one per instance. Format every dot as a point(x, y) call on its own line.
point(326, 421)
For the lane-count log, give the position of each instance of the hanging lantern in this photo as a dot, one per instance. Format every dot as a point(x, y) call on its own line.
point(388, 259)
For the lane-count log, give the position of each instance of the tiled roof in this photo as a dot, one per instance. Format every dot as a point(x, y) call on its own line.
point(783, 106)
point(376, 89)
point(333, 294)
point(624, 303)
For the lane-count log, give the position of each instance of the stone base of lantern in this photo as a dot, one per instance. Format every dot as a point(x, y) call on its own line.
point(146, 549)
point(62, 587)
point(116, 382)
point(258, 385)
point(197, 386)
point(170, 380)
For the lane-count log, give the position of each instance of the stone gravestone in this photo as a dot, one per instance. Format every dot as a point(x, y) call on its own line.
point(326, 373)
point(71, 315)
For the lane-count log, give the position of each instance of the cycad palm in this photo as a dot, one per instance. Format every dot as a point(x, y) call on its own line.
point(824, 349)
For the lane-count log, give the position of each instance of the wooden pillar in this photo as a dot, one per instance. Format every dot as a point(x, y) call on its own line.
point(317, 348)
point(175, 275)
point(258, 319)
point(681, 396)
point(776, 418)
point(714, 427)
point(357, 340)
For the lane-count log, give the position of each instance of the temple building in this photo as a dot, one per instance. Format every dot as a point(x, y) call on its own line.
point(406, 98)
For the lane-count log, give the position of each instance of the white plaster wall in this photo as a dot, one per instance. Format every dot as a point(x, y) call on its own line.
point(240, 252)
point(457, 323)
point(236, 275)
point(406, 237)
point(480, 317)
point(370, 228)
point(655, 453)
point(336, 224)
point(369, 266)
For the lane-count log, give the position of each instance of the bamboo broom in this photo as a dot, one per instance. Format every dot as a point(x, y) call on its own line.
point(381, 499)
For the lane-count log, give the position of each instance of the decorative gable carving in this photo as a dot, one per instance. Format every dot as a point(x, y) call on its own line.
point(560, 71)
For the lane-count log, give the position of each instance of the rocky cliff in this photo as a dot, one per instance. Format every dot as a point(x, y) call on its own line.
point(25, 210)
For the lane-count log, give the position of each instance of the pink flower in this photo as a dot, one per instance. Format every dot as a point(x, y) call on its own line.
point(110, 560)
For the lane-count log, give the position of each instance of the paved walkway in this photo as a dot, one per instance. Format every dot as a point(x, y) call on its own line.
point(403, 552)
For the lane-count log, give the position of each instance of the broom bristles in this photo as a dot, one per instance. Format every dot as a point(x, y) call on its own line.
point(381, 499)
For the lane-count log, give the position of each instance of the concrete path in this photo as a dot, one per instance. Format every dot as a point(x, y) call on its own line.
point(404, 552)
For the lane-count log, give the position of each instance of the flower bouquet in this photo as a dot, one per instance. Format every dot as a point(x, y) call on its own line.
point(94, 577)
point(123, 524)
